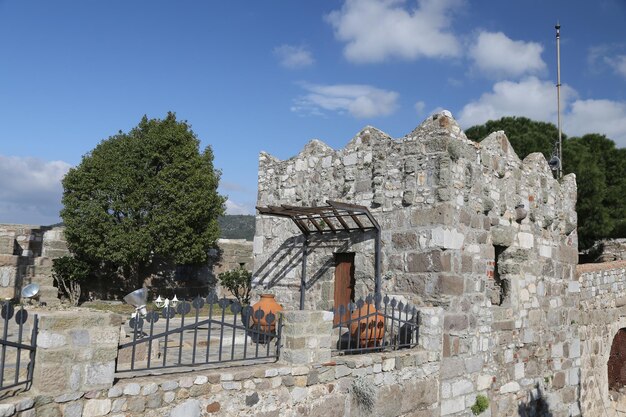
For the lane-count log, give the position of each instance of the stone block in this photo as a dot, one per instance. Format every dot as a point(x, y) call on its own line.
point(449, 284)
point(96, 408)
point(443, 214)
point(455, 322)
point(404, 241)
point(451, 368)
point(189, 408)
point(447, 238)
point(424, 262)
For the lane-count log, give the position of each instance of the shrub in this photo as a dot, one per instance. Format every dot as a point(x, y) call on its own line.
point(239, 282)
point(481, 404)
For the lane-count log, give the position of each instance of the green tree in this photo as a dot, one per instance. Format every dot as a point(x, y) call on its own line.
point(69, 273)
point(143, 197)
point(600, 170)
point(526, 136)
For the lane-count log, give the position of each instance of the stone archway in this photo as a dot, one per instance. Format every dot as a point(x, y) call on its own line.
point(616, 365)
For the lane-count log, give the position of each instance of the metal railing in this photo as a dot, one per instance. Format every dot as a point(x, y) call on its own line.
point(375, 323)
point(178, 337)
point(17, 348)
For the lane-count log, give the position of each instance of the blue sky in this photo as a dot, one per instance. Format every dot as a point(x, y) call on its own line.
point(271, 75)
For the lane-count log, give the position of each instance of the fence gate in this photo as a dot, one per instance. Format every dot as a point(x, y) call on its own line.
point(177, 337)
point(17, 347)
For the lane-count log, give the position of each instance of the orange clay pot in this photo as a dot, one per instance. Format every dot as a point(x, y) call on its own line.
point(370, 329)
point(268, 304)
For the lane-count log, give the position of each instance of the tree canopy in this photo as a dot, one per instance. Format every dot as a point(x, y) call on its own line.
point(599, 166)
point(143, 196)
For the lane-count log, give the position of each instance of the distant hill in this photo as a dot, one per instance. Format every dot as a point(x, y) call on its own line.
point(236, 226)
point(232, 226)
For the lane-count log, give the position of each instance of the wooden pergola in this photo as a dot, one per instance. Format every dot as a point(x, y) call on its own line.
point(334, 218)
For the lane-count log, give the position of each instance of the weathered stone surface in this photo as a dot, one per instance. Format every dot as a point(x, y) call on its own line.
point(190, 408)
point(95, 408)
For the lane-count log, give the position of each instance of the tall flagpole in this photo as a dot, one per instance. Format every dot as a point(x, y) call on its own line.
point(558, 95)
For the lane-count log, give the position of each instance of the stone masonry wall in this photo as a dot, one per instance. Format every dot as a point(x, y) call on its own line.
point(465, 226)
point(26, 254)
point(73, 377)
point(603, 313)
point(403, 383)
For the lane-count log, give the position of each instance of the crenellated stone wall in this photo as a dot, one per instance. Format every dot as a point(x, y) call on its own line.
point(469, 227)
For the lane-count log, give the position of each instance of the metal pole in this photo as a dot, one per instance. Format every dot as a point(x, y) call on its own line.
point(303, 275)
point(558, 94)
point(377, 263)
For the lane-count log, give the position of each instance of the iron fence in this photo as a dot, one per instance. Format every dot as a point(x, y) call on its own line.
point(375, 323)
point(178, 337)
point(17, 351)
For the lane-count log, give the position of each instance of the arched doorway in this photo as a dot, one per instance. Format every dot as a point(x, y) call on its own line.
point(616, 365)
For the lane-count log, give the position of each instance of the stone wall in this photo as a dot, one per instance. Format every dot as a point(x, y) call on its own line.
point(74, 377)
point(26, 254)
point(603, 313)
point(469, 227)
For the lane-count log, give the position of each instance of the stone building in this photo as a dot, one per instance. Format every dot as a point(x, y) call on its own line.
point(464, 226)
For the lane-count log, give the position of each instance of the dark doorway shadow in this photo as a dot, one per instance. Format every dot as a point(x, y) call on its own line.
point(536, 406)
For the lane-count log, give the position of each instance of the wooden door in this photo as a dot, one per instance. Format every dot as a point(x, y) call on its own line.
point(344, 283)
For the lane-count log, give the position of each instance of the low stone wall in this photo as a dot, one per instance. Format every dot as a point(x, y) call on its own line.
point(74, 376)
point(396, 383)
point(603, 313)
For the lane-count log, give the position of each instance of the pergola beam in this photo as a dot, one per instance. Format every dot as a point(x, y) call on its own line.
point(321, 215)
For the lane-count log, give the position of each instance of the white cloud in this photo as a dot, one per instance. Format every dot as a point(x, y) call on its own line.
point(30, 190)
point(375, 30)
point(419, 107)
point(618, 64)
point(496, 54)
point(529, 97)
point(293, 57)
point(536, 100)
point(237, 208)
point(602, 56)
point(597, 116)
point(360, 101)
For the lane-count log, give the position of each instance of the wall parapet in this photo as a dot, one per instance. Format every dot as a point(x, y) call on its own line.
point(402, 382)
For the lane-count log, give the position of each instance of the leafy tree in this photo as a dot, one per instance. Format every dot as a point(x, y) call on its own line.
point(143, 197)
point(599, 166)
point(70, 273)
point(601, 176)
point(526, 136)
point(239, 283)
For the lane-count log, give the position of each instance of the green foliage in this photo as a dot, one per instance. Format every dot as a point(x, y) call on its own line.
point(237, 226)
point(601, 177)
point(599, 166)
point(69, 273)
point(526, 136)
point(239, 283)
point(142, 197)
point(481, 404)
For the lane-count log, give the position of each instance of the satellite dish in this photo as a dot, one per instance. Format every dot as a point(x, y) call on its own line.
point(30, 291)
point(137, 298)
point(554, 163)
